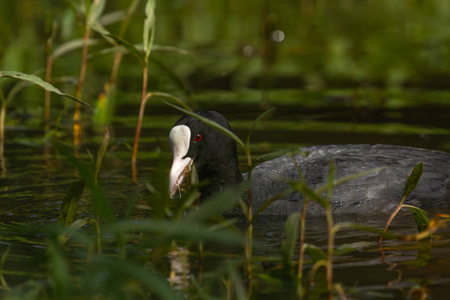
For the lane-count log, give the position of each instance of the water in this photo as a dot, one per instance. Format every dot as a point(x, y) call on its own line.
point(35, 177)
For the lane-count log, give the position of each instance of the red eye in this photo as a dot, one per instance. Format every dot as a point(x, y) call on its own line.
point(198, 138)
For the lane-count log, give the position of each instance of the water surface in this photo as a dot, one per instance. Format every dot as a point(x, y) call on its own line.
point(35, 177)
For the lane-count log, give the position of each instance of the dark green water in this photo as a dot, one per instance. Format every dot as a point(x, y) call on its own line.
point(34, 179)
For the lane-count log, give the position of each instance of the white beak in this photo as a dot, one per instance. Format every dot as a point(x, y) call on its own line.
point(179, 138)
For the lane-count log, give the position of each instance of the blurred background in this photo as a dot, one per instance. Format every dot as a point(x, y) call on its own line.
point(338, 71)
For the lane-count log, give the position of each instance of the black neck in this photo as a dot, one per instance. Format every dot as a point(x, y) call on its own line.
point(218, 180)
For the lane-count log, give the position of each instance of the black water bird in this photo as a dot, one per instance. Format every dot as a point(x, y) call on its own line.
point(216, 161)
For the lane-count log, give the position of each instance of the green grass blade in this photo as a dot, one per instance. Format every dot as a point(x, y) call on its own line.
point(36, 80)
point(310, 193)
point(166, 231)
point(132, 49)
point(260, 117)
point(126, 269)
point(211, 123)
point(315, 253)
point(413, 180)
point(70, 46)
point(70, 202)
point(95, 11)
point(352, 247)
point(420, 216)
point(149, 24)
point(219, 204)
point(59, 269)
point(19, 86)
point(271, 200)
point(101, 153)
point(288, 151)
point(129, 46)
point(169, 96)
point(348, 178)
point(291, 231)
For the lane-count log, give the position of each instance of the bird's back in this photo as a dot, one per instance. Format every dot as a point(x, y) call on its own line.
point(377, 192)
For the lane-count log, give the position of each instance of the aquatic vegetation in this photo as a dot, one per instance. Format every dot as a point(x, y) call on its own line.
point(149, 245)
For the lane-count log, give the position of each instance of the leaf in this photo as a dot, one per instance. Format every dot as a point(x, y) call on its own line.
point(271, 200)
point(19, 86)
point(36, 80)
point(288, 151)
point(70, 202)
point(260, 117)
point(348, 178)
point(413, 180)
point(149, 24)
point(71, 230)
point(169, 96)
point(420, 216)
point(70, 46)
point(330, 181)
point(156, 283)
point(291, 231)
point(352, 247)
point(95, 11)
point(120, 41)
point(315, 253)
point(101, 153)
point(104, 107)
point(59, 269)
point(218, 204)
point(183, 230)
point(310, 193)
point(210, 123)
point(410, 185)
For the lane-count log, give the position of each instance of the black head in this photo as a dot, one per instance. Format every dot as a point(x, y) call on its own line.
point(213, 153)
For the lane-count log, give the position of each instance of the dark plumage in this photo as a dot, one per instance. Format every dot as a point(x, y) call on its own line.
point(215, 157)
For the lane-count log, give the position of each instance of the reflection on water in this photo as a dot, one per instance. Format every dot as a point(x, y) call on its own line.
point(35, 178)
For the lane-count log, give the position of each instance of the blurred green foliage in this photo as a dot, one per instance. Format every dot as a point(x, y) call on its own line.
point(316, 47)
point(235, 44)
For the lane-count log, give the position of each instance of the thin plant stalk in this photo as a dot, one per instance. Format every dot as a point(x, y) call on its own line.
point(330, 252)
point(331, 231)
point(3, 282)
point(302, 234)
point(139, 125)
point(48, 78)
point(141, 114)
point(301, 247)
point(76, 117)
point(249, 233)
point(115, 69)
point(410, 185)
point(149, 34)
point(2, 124)
point(314, 269)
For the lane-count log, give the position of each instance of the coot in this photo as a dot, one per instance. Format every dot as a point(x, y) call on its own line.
point(216, 161)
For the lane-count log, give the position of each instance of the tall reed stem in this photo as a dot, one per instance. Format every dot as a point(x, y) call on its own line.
point(331, 235)
point(2, 125)
point(140, 119)
point(76, 117)
point(48, 78)
point(249, 235)
point(301, 248)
